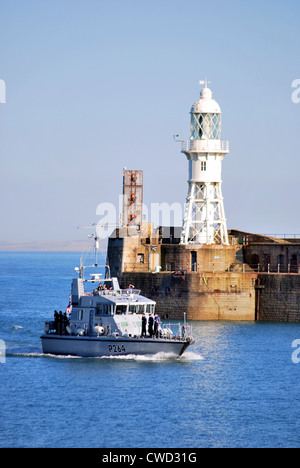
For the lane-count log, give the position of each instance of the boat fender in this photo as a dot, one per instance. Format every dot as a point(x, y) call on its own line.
point(81, 332)
point(47, 327)
point(69, 330)
point(116, 334)
point(99, 330)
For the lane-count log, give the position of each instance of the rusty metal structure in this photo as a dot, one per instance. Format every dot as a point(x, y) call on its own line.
point(132, 198)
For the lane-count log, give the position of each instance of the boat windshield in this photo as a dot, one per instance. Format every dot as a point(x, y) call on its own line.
point(121, 309)
point(134, 309)
point(150, 308)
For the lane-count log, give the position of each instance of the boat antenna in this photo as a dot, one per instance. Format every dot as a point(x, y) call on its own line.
point(96, 246)
point(96, 237)
point(96, 240)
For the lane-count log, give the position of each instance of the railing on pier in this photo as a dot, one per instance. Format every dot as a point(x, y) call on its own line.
point(278, 268)
point(284, 236)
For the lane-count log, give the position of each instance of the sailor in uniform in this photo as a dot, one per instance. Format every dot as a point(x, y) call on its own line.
point(150, 325)
point(156, 324)
point(144, 325)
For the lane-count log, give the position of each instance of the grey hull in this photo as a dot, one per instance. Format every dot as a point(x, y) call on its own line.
point(107, 346)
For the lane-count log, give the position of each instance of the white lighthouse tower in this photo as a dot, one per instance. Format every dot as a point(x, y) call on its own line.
point(204, 220)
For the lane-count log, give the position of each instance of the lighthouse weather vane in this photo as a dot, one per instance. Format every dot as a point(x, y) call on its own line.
point(204, 82)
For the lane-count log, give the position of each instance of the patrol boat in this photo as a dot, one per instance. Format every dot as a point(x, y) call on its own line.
point(107, 321)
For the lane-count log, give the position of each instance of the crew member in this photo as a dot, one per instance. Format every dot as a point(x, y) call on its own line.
point(150, 325)
point(65, 323)
point(156, 324)
point(60, 323)
point(144, 325)
point(56, 321)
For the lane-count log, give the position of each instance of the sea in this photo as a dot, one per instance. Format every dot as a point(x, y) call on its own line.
point(237, 386)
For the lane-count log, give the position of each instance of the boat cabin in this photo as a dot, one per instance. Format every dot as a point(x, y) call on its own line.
point(112, 309)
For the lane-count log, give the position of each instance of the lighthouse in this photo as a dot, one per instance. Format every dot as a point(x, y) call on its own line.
point(204, 219)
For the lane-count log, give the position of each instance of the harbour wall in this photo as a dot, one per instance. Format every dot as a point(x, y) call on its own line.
point(222, 296)
point(278, 297)
point(253, 278)
point(209, 296)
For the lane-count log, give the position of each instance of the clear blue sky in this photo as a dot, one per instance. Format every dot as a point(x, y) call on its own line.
point(96, 85)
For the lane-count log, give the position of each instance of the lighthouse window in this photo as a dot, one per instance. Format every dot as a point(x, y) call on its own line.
point(203, 165)
point(205, 126)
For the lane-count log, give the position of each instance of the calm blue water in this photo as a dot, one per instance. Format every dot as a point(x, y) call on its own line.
point(237, 387)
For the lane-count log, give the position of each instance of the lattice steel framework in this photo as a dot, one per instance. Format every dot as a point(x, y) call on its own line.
point(204, 220)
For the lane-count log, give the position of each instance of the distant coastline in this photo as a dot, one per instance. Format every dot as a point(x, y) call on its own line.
point(49, 246)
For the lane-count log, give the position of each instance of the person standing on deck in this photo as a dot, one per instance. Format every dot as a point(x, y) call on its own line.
point(156, 324)
point(150, 325)
point(144, 325)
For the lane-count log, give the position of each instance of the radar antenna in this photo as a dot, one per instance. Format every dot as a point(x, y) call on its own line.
point(96, 242)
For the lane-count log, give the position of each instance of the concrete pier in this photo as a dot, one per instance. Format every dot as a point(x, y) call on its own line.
point(210, 282)
point(202, 296)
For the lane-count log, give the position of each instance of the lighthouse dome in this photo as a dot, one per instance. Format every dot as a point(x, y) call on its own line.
point(206, 104)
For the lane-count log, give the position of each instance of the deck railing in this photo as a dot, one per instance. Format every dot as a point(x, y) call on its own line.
point(205, 145)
